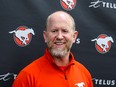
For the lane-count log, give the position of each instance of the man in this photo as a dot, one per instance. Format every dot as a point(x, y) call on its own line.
point(57, 67)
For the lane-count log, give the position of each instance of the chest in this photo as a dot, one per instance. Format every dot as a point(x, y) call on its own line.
point(71, 77)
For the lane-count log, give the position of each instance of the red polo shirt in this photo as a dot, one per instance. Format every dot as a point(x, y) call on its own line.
point(43, 72)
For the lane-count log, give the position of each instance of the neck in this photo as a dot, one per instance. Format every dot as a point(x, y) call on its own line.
point(62, 61)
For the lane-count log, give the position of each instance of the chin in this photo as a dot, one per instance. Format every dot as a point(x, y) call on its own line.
point(59, 52)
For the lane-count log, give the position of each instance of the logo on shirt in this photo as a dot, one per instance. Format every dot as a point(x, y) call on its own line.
point(68, 4)
point(103, 43)
point(22, 35)
point(81, 84)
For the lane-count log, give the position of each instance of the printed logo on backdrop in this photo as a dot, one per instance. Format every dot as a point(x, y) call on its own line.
point(78, 41)
point(68, 4)
point(22, 35)
point(103, 43)
point(101, 3)
point(7, 76)
point(104, 82)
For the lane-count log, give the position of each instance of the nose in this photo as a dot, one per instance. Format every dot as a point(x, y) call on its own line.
point(59, 35)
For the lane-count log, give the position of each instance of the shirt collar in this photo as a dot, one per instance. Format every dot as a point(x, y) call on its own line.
point(50, 58)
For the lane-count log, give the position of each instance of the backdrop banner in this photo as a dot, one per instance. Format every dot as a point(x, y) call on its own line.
point(22, 23)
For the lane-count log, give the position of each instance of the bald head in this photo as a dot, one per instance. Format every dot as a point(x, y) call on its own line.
point(60, 34)
point(59, 16)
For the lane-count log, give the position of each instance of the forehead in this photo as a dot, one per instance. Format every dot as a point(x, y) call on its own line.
point(59, 19)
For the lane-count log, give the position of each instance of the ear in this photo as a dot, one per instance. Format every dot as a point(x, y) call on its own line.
point(75, 36)
point(45, 36)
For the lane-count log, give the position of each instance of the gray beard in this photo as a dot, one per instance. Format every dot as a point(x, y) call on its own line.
point(59, 53)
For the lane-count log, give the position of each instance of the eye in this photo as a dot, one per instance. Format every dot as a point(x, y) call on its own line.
point(65, 31)
point(54, 30)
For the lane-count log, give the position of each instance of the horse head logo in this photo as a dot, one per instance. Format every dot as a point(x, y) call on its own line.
point(103, 43)
point(23, 35)
point(68, 4)
point(81, 84)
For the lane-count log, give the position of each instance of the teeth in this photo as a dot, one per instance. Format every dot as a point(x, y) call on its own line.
point(58, 42)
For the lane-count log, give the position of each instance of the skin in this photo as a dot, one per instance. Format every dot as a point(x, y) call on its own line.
point(59, 35)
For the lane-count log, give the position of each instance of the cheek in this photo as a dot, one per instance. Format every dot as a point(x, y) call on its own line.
point(50, 38)
point(70, 38)
point(73, 38)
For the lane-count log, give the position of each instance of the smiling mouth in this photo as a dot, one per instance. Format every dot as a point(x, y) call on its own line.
point(59, 43)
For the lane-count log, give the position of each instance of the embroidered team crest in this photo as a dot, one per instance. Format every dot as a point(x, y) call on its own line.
point(68, 4)
point(22, 35)
point(103, 43)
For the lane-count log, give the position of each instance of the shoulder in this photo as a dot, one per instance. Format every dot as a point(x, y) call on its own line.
point(30, 73)
point(82, 68)
point(36, 66)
